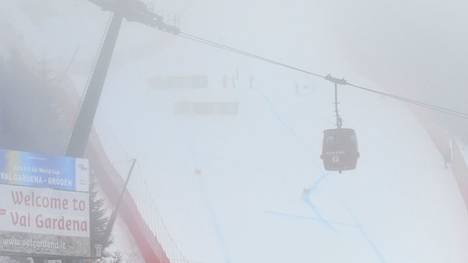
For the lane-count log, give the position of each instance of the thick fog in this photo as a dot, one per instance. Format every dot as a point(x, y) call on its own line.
point(247, 184)
point(415, 48)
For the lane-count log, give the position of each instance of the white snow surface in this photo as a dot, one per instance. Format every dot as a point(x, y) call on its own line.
point(251, 187)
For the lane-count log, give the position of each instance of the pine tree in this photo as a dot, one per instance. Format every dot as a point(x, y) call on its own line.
point(98, 221)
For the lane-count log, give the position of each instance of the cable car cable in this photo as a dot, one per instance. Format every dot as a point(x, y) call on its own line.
point(247, 54)
point(149, 18)
point(412, 101)
point(428, 106)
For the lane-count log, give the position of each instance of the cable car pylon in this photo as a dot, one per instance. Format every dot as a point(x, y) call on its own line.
point(132, 11)
point(340, 147)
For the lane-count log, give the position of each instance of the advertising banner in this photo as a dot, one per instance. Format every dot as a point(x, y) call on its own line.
point(44, 205)
point(35, 170)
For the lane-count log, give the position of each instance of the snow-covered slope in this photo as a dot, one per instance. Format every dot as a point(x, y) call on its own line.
point(249, 187)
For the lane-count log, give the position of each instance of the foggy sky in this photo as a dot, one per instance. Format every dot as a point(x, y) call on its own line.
point(413, 48)
point(418, 48)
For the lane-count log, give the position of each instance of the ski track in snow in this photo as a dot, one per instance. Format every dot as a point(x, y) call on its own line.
point(330, 224)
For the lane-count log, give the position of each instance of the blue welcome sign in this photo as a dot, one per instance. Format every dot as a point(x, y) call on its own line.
point(37, 170)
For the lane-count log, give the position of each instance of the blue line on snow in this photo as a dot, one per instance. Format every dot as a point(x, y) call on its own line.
point(307, 200)
point(318, 214)
point(372, 244)
point(366, 237)
point(277, 115)
point(214, 219)
point(317, 182)
point(209, 206)
point(309, 218)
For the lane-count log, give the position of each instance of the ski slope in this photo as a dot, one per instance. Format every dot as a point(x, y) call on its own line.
point(249, 187)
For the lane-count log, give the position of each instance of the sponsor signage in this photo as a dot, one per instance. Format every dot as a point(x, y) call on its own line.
point(206, 108)
point(179, 82)
point(35, 170)
point(44, 205)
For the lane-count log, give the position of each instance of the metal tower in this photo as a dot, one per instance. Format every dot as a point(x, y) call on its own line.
point(133, 11)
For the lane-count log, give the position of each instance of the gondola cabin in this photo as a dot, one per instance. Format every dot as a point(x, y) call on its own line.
point(340, 149)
